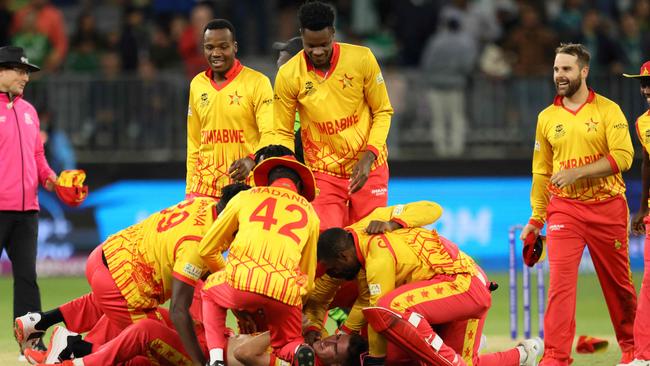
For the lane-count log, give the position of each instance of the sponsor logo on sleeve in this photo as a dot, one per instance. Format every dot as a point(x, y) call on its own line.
point(192, 271)
point(28, 119)
point(189, 111)
point(620, 126)
point(398, 210)
point(379, 79)
point(537, 146)
point(374, 288)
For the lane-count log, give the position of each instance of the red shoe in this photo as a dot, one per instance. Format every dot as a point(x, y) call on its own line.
point(34, 356)
point(627, 357)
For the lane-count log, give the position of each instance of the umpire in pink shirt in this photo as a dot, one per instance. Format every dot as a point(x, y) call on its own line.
point(22, 167)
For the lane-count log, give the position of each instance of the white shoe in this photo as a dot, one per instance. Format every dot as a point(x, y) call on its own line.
point(636, 362)
point(534, 349)
point(25, 330)
point(58, 342)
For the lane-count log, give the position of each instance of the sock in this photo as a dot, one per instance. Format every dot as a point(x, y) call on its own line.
point(216, 354)
point(81, 348)
point(522, 354)
point(68, 352)
point(49, 318)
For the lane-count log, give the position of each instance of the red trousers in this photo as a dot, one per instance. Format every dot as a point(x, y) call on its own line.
point(284, 321)
point(337, 208)
point(85, 313)
point(602, 227)
point(146, 342)
point(642, 321)
point(456, 308)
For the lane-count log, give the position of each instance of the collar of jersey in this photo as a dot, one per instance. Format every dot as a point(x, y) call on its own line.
point(590, 98)
point(357, 248)
point(230, 75)
point(285, 183)
point(334, 60)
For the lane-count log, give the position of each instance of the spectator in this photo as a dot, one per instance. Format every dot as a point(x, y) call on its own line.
point(58, 148)
point(35, 44)
point(49, 22)
point(605, 53)
point(86, 44)
point(448, 59)
point(641, 11)
point(249, 13)
point(530, 45)
point(481, 23)
point(190, 44)
point(631, 43)
point(569, 20)
point(134, 39)
point(162, 53)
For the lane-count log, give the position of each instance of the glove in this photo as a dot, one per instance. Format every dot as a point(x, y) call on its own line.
point(534, 249)
point(69, 187)
point(368, 360)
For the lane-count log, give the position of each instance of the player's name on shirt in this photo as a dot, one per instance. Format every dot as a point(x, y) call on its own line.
point(284, 193)
point(583, 160)
point(335, 126)
point(224, 135)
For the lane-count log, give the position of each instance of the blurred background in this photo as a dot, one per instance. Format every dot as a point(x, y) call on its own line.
point(113, 99)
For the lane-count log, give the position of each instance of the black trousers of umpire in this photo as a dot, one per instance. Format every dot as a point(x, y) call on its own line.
point(18, 236)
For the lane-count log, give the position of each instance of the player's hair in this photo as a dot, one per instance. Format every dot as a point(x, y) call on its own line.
point(575, 49)
point(271, 151)
point(220, 24)
point(358, 346)
point(315, 15)
point(230, 191)
point(331, 242)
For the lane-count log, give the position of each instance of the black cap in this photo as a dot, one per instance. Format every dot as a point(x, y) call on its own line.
point(292, 46)
point(15, 56)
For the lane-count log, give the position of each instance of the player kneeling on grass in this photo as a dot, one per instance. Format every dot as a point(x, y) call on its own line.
point(150, 342)
point(131, 274)
point(415, 274)
point(272, 232)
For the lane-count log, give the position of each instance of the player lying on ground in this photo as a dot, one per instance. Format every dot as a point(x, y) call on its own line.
point(136, 270)
point(414, 270)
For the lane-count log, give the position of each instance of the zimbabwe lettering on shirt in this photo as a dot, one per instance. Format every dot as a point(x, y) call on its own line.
point(272, 234)
point(144, 257)
point(225, 123)
point(222, 136)
point(343, 112)
point(336, 126)
point(566, 139)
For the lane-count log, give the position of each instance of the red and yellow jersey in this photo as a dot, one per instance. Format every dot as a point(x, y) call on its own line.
point(567, 139)
point(144, 257)
point(643, 131)
point(343, 112)
point(225, 123)
point(398, 258)
point(413, 214)
point(272, 234)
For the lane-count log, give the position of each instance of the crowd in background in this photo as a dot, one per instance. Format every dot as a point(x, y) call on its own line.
point(452, 66)
point(509, 36)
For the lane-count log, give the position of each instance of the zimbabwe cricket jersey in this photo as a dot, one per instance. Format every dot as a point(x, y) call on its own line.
point(225, 123)
point(343, 112)
point(272, 234)
point(413, 214)
point(144, 257)
point(566, 139)
point(400, 257)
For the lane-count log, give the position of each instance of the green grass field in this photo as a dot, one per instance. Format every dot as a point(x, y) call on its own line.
point(592, 316)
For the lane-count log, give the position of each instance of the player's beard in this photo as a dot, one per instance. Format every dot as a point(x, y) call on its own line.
point(571, 89)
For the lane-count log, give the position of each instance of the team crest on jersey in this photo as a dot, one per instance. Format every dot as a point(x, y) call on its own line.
point(309, 88)
point(235, 98)
point(559, 131)
point(346, 81)
point(204, 100)
point(647, 136)
point(591, 125)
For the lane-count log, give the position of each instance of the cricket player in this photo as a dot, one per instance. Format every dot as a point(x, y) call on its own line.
point(271, 231)
point(341, 98)
point(414, 270)
point(136, 270)
point(229, 117)
point(640, 226)
point(582, 145)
